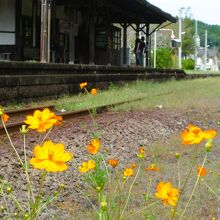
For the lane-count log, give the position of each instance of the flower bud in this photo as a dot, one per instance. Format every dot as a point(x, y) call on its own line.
point(26, 216)
point(2, 208)
point(15, 214)
point(55, 193)
point(208, 146)
point(9, 189)
point(177, 156)
point(62, 186)
point(1, 111)
point(23, 129)
point(103, 204)
point(98, 188)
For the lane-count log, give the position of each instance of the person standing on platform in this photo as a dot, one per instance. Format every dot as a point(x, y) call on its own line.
point(141, 51)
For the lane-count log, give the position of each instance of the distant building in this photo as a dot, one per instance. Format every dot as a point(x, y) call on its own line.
point(212, 62)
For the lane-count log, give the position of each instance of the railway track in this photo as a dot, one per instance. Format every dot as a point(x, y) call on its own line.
point(17, 117)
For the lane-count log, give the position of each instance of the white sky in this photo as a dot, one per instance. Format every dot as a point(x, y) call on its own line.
point(207, 11)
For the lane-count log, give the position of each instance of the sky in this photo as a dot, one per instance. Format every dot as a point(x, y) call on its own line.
point(202, 10)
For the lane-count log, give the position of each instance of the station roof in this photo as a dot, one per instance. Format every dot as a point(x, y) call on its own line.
point(135, 11)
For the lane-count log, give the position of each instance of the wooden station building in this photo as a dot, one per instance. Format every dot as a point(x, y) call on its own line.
point(74, 31)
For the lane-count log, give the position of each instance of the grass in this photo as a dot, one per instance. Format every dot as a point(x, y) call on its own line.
point(170, 94)
point(202, 71)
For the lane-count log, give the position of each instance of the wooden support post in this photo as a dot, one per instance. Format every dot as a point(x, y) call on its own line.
point(137, 29)
point(91, 39)
point(125, 44)
point(43, 38)
point(72, 36)
point(18, 35)
point(147, 46)
point(48, 30)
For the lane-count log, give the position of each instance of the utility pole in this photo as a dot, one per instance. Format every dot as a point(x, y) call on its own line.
point(155, 48)
point(196, 44)
point(180, 38)
point(205, 55)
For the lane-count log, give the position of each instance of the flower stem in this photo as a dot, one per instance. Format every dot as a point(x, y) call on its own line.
point(197, 181)
point(46, 135)
point(129, 193)
point(38, 197)
point(30, 191)
point(211, 190)
point(178, 168)
point(186, 181)
point(16, 152)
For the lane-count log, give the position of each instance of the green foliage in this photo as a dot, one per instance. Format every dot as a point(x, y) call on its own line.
point(164, 58)
point(188, 64)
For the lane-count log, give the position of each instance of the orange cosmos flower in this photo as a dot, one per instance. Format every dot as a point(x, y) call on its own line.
point(152, 168)
point(86, 166)
point(141, 154)
point(5, 117)
point(94, 146)
point(42, 120)
point(59, 119)
point(201, 171)
point(93, 91)
point(113, 162)
point(128, 172)
point(141, 150)
point(133, 165)
point(195, 135)
point(50, 157)
point(82, 85)
point(167, 194)
point(192, 135)
point(209, 134)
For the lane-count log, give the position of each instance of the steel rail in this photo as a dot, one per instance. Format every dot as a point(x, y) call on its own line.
point(14, 126)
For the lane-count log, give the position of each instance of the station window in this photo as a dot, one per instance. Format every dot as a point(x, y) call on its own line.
point(116, 39)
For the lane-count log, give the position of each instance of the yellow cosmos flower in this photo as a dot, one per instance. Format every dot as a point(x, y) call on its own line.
point(113, 162)
point(167, 194)
point(128, 172)
point(86, 166)
point(201, 171)
point(152, 167)
point(42, 120)
point(5, 117)
point(50, 157)
point(195, 135)
point(82, 85)
point(93, 91)
point(94, 146)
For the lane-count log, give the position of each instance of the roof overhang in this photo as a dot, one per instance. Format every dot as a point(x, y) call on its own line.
point(135, 11)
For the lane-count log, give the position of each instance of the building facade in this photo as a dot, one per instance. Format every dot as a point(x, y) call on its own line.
point(73, 31)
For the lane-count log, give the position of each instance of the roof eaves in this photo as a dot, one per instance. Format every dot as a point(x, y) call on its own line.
point(166, 16)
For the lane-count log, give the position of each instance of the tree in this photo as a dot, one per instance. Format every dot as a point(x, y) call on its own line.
point(164, 58)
